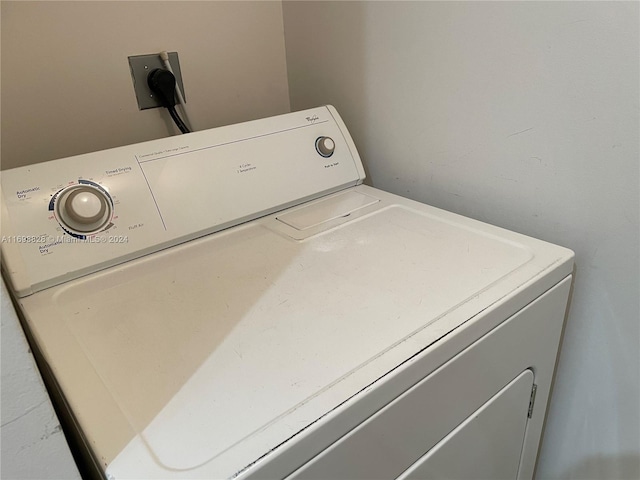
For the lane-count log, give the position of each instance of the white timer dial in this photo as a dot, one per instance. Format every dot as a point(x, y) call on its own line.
point(83, 208)
point(325, 146)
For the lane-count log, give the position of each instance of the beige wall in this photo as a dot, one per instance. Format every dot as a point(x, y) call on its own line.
point(521, 114)
point(66, 87)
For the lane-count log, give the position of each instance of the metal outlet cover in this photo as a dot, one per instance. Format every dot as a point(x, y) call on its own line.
point(141, 66)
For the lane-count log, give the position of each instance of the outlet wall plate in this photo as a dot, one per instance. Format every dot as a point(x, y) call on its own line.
point(141, 66)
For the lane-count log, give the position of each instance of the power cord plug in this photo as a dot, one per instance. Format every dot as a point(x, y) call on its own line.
point(164, 56)
point(163, 84)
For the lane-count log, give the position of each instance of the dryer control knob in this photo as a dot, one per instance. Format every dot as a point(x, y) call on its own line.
point(325, 146)
point(83, 209)
point(85, 206)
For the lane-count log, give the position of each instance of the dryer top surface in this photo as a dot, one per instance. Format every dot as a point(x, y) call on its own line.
point(218, 350)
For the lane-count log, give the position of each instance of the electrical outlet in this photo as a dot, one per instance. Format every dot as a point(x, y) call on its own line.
point(141, 66)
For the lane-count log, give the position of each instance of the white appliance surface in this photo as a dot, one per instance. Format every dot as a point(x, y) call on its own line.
point(168, 191)
point(444, 461)
point(199, 360)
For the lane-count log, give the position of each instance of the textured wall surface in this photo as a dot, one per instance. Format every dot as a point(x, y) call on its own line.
point(33, 445)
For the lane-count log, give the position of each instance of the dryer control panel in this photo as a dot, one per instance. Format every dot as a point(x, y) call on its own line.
point(66, 218)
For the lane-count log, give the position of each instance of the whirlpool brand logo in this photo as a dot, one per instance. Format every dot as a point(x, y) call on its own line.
point(312, 119)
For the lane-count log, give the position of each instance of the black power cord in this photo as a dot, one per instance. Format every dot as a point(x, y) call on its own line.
point(163, 84)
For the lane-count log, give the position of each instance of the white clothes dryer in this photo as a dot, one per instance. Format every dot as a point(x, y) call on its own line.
point(235, 303)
